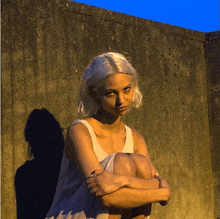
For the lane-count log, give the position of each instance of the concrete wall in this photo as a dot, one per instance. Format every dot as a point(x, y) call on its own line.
point(45, 48)
point(212, 49)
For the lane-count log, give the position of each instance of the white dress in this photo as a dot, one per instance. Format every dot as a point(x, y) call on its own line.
point(73, 200)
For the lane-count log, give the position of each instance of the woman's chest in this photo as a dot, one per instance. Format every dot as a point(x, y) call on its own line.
point(112, 143)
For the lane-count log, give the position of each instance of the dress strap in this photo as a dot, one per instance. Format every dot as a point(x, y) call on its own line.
point(129, 143)
point(89, 127)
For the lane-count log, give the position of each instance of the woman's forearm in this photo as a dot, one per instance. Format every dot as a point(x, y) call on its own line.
point(136, 192)
point(137, 183)
point(126, 198)
point(104, 182)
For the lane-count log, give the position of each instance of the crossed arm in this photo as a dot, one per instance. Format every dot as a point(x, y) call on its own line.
point(114, 190)
point(118, 191)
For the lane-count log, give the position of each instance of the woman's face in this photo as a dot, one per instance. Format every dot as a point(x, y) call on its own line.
point(116, 93)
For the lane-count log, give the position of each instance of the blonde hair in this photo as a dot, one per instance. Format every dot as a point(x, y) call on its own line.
point(94, 75)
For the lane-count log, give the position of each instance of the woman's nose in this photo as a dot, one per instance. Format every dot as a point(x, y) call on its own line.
point(120, 99)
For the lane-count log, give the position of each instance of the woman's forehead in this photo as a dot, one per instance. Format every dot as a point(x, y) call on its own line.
point(117, 80)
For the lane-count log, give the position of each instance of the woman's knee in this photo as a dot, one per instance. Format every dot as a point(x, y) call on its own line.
point(142, 164)
point(123, 164)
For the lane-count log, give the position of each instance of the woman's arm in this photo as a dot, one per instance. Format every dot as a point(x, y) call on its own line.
point(123, 198)
point(102, 185)
point(130, 198)
point(79, 148)
point(103, 182)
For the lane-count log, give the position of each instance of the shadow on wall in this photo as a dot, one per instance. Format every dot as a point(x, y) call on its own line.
point(36, 180)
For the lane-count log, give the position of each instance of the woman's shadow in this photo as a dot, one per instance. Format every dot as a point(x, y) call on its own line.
point(36, 180)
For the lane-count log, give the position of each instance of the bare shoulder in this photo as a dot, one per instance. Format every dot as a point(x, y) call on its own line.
point(77, 137)
point(77, 128)
point(137, 137)
point(140, 146)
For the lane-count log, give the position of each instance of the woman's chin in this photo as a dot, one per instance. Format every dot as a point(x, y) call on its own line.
point(121, 111)
point(113, 113)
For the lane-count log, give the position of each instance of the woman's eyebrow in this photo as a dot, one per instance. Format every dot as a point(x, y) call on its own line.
point(111, 89)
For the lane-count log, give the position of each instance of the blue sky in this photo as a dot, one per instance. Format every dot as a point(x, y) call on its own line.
point(199, 15)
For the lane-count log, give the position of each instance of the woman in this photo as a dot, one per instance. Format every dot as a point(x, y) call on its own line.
point(106, 171)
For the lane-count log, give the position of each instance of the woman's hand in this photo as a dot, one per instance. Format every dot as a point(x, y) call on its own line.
point(103, 182)
point(163, 184)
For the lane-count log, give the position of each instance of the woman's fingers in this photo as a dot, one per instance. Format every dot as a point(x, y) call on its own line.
point(94, 174)
point(92, 185)
point(97, 191)
point(94, 190)
point(90, 180)
point(103, 182)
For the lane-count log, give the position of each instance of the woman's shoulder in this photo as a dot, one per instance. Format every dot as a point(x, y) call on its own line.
point(78, 136)
point(78, 123)
point(138, 139)
point(78, 127)
point(136, 135)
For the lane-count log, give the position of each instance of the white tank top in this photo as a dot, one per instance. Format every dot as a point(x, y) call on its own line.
point(100, 153)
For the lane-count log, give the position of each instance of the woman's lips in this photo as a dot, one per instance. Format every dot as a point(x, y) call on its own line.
point(121, 108)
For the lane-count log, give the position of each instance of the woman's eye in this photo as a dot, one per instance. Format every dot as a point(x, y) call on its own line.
point(109, 94)
point(127, 89)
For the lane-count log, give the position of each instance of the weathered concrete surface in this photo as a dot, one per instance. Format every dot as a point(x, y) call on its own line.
point(45, 48)
point(212, 50)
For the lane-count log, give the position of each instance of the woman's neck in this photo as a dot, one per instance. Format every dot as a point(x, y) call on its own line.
point(106, 121)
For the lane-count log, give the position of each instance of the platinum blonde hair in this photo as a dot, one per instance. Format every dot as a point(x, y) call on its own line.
point(94, 75)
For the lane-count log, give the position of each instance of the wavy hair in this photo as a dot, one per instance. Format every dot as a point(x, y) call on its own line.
point(94, 76)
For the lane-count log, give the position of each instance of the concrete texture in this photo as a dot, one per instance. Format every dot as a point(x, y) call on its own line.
point(47, 45)
point(212, 49)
